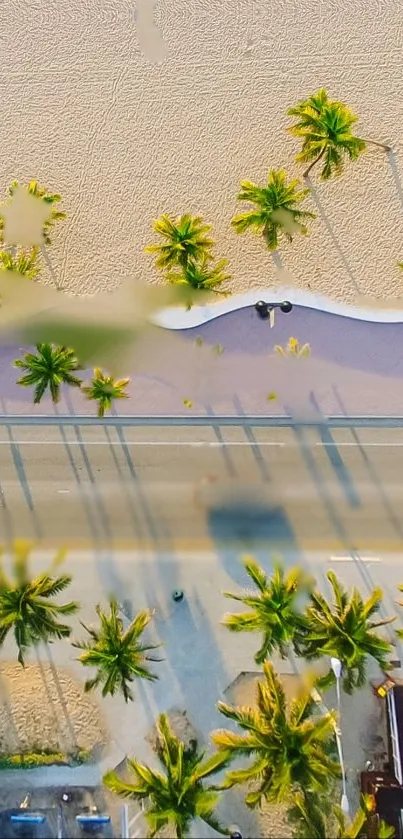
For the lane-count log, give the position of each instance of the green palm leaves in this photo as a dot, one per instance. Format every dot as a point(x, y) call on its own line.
point(313, 817)
point(118, 655)
point(26, 603)
point(289, 613)
point(288, 747)
point(276, 209)
point(104, 389)
point(23, 262)
point(48, 369)
point(345, 630)
point(325, 127)
point(176, 795)
point(185, 240)
point(275, 609)
point(365, 819)
point(185, 255)
point(202, 276)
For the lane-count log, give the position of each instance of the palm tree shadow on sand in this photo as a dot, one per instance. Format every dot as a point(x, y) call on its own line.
point(392, 158)
point(333, 237)
point(249, 527)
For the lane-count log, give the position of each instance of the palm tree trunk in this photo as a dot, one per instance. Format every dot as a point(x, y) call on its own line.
point(314, 162)
point(376, 143)
point(52, 272)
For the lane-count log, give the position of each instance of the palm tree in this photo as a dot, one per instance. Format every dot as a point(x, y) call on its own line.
point(50, 198)
point(49, 367)
point(118, 654)
point(25, 603)
point(104, 389)
point(308, 815)
point(201, 277)
point(276, 209)
point(364, 824)
point(290, 748)
point(325, 127)
point(177, 795)
point(23, 262)
point(293, 349)
point(313, 817)
point(344, 630)
point(274, 609)
point(184, 239)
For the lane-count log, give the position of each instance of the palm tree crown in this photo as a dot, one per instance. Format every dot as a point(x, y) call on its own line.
point(274, 610)
point(326, 129)
point(49, 367)
point(364, 823)
point(25, 605)
point(104, 389)
point(345, 631)
point(308, 814)
point(276, 209)
point(24, 262)
point(118, 654)
point(289, 747)
point(201, 277)
point(184, 239)
point(313, 817)
point(50, 198)
point(177, 795)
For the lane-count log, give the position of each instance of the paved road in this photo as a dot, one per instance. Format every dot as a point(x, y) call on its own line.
point(292, 488)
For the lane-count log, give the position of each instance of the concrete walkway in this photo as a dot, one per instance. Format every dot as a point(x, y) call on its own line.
point(352, 370)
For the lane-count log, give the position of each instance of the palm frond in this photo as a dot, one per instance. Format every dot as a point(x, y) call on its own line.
point(276, 211)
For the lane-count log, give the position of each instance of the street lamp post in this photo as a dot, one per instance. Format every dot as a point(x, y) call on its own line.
point(264, 309)
point(336, 666)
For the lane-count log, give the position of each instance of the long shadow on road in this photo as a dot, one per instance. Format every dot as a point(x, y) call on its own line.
point(195, 673)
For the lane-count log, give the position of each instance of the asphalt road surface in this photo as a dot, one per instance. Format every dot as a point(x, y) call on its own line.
point(191, 488)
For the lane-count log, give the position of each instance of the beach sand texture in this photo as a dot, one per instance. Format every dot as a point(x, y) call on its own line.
point(128, 121)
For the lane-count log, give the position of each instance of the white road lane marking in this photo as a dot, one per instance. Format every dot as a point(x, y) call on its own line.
point(190, 444)
point(200, 444)
point(352, 558)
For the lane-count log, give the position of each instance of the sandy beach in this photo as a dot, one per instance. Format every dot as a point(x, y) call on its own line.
point(87, 110)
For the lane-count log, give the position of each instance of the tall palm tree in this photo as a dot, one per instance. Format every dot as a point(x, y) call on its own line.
point(23, 262)
point(202, 276)
point(275, 609)
point(118, 654)
point(365, 823)
point(399, 632)
point(313, 817)
point(48, 368)
point(276, 209)
point(50, 198)
point(344, 630)
point(26, 607)
point(290, 748)
point(326, 129)
point(184, 239)
point(308, 815)
point(104, 389)
point(176, 795)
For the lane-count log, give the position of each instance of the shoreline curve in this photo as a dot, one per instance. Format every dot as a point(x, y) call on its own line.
point(178, 318)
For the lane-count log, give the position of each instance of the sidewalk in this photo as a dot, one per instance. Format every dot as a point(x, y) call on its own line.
point(88, 775)
point(353, 370)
